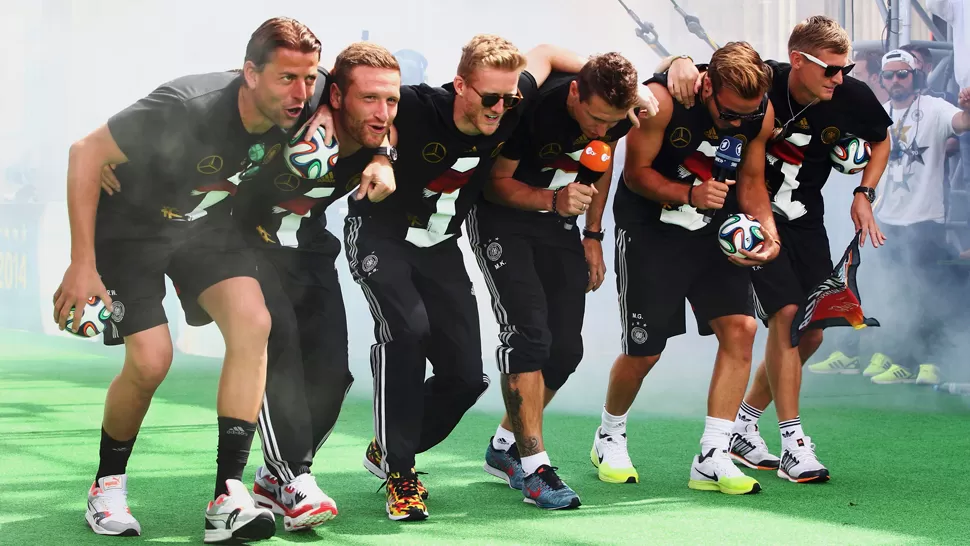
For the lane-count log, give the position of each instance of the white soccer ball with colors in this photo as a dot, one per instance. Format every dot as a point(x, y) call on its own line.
point(850, 155)
point(92, 321)
point(740, 231)
point(310, 159)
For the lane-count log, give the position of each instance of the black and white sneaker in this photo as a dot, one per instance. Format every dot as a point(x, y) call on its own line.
point(749, 448)
point(800, 465)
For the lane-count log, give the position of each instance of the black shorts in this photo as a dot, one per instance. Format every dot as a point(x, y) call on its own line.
point(133, 259)
point(805, 261)
point(656, 270)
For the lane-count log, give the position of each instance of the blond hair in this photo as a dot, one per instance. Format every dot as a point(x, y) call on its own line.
point(819, 33)
point(361, 54)
point(738, 67)
point(489, 51)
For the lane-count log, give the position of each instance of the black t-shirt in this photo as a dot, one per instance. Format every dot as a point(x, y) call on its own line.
point(548, 144)
point(187, 151)
point(440, 171)
point(686, 156)
point(799, 165)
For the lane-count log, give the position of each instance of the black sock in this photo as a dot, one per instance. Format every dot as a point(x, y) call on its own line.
point(235, 439)
point(114, 455)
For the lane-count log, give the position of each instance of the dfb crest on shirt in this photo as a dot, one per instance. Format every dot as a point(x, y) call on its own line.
point(494, 251)
point(369, 263)
point(639, 335)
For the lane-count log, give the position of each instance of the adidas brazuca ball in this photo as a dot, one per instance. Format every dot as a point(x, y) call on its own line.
point(94, 318)
point(851, 155)
point(740, 231)
point(310, 159)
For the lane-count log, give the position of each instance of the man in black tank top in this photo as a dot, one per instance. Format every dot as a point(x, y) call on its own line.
point(667, 251)
point(528, 248)
point(816, 104)
point(181, 152)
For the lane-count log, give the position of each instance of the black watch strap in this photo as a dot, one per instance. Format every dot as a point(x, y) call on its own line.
point(869, 193)
point(596, 235)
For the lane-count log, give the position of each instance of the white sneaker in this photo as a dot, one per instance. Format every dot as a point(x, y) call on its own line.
point(714, 471)
point(107, 512)
point(301, 502)
point(749, 449)
point(234, 516)
point(799, 463)
point(610, 456)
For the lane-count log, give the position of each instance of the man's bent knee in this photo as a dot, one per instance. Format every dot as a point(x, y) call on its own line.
point(238, 308)
point(639, 365)
point(148, 357)
point(783, 317)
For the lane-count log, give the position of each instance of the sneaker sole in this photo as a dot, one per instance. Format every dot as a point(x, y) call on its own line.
point(374, 469)
point(500, 475)
point(129, 532)
point(314, 518)
point(261, 527)
point(821, 478)
point(573, 504)
point(594, 458)
point(749, 464)
point(895, 382)
point(855, 371)
point(415, 515)
point(703, 485)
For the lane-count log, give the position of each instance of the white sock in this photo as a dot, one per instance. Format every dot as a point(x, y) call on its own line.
point(613, 424)
point(747, 415)
point(717, 434)
point(503, 439)
point(791, 432)
point(532, 463)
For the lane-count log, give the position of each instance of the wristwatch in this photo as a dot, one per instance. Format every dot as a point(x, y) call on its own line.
point(869, 192)
point(595, 235)
point(389, 151)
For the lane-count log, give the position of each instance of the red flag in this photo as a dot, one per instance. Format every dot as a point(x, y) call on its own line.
point(835, 301)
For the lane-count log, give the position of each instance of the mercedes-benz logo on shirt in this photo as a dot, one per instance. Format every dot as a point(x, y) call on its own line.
point(433, 152)
point(286, 182)
point(210, 164)
point(680, 137)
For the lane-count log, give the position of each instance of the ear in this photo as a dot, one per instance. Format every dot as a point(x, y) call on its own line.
point(707, 88)
point(574, 89)
point(459, 84)
point(335, 97)
point(794, 59)
point(251, 73)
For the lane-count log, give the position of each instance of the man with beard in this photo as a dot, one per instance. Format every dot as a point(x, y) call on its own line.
point(816, 104)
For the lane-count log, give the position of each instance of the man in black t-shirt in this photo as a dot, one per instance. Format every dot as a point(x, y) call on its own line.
point(667, 251)
point(816, 104)
point(528, 248)
point(403, 252)
point(180, 152)
point(284, 218)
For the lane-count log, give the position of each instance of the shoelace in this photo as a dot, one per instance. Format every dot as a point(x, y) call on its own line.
point(114, 501)
point(307, 485)
point(615, 449)
point(403, 486)
point(548, 474)
point(724, 465)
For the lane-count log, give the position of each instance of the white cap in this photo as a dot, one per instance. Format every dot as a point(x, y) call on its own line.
point(898, 55)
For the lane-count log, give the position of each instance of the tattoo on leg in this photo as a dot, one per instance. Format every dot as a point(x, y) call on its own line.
point(513, 402)
point(530, 446)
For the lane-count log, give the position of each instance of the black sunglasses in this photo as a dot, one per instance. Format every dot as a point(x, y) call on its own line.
point(491, 99)
point(830, 70)
point(729, 115)
point(900, 74)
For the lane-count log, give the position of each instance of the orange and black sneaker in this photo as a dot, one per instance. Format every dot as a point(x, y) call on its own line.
point(372, 462)
point(404, 503)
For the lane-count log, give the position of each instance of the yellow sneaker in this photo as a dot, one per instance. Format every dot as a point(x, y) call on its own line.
point(404, 503)
point(837, 363)
point(929, 374)
point(372, 462)
point(878, 364)
point(895, 375)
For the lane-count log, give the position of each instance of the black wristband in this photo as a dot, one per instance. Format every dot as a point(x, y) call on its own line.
point(555, 196)
point(595, 235)
point(690, 193)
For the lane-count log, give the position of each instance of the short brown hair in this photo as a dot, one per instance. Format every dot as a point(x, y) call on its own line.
point(819, 33)
point(738, 67)
point(489, 51)
point(612, 78)
point(361, 54)
point(280, 32)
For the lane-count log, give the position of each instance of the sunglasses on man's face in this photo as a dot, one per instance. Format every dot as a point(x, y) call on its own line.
point(830, 70)
point(900, 74)
point(489, 100)
point(730, 115)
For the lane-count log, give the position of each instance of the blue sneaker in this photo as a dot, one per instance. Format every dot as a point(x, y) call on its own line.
point(545, 490)
point(505, 465)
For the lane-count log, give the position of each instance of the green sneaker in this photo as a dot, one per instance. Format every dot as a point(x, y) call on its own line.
point(878, 364)
point(837, 363)
point(895, 375)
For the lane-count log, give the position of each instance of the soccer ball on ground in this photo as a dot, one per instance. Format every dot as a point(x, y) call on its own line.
point(310, 159)
point(850, 155)
point(93, 320)
point(740, 231)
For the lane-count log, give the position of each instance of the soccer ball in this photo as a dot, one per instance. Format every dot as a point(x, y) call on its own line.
point(740, 231)
point(851, 155)
point(94, 318)
point(310, 159)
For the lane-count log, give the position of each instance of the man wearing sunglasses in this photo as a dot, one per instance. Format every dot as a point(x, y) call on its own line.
point(816, 104)
point(537, 270)
point(404, 254)
point(667, 251)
